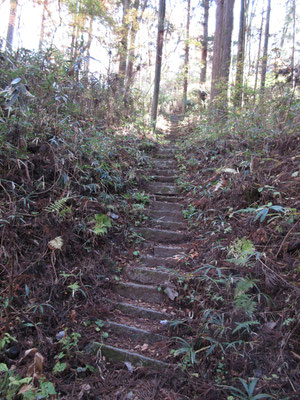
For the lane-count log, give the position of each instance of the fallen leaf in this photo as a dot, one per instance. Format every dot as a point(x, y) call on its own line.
point(129, 366)
point(24, 389)
point(73, 315)
point(56, 244)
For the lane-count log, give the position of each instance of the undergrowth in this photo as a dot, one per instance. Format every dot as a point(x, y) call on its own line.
point(71, 157)
point(240, 289)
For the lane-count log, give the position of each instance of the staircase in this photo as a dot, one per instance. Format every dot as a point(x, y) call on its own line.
point(144, 297)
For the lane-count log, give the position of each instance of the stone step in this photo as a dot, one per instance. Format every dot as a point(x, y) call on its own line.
point(170, 199)
point(164, 189)
point(165, 155)
point(163, 164)
point(163, 215)
point(164, 172)
point(141, 312)
point(115, 354)
point(135, 334)
point(147, 275)
point(165, 206)
point(135, 291)
point(154, 261)
point(161, 178)
point(165, 224)
point(167, 251)
point(166, 150)
point(162, 235)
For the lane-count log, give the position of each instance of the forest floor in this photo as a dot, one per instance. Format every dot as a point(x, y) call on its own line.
point(237, 292)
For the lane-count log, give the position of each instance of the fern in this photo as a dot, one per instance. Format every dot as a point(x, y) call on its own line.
point(102, 222)
point(242, 250)
point(57, 206)
point(243, 300)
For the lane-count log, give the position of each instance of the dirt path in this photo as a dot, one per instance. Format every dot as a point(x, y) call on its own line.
point(144, 297)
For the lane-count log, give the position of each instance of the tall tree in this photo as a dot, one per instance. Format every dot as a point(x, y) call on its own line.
point(123, 49)
point(258, 53)
point(186, 55)
point(238, 92)
point(89, 43)
point(137, 11)
point(204, 42)
point(293, 42)
point(222, 53)
point(42, 30)
point(158, 61)
point(11, 23)
point(265, 52)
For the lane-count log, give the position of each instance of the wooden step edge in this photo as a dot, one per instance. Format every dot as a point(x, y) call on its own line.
point(165, 224)
point(168, 198)
point(135, 334)
point(136, 291)
point(163, 262)
point(115, 355)
point(146, 275)
point(140, 312)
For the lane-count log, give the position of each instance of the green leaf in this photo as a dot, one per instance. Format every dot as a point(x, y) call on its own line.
point(47, 389)
point(99, 323)
point(3, 367)
point(59, 367)
point(262, 396)
point(102, 222)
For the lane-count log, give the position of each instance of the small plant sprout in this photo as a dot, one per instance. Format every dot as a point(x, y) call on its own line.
point(248, 393)
point(102, 223)
point(242, 251)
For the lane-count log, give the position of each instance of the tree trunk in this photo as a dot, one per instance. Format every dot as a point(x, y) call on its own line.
point(88, 46)
point(11, 23)
point(238, 95)
point(248, 40)
point(74, 35)
point(204, 43)
point(123, 50)
point(131, 56)
point(158, 61)
point(258, 54)
point(265, 53)
point(222, 53)
point(42, 31)
point(139, 10)
point(293, 44)
point(186, 55)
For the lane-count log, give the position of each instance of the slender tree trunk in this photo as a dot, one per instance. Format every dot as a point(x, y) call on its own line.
point(186, 55)
point(222, 54)
point(89, 42)
point(74, 35)
point(265, 53)
point(248, 33)
point(131, 55)
point(258, 53)
point(158, 61)
point(204, 42)
point(123, 51)
point(42, 31)
point(11, 23)
point(215, 74)
point(139, 10)
point(293, 45)
point(238, 95)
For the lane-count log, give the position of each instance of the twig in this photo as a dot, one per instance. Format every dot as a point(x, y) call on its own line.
point(286, 236)
point(279, 276)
